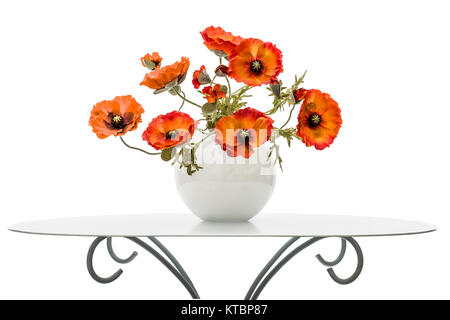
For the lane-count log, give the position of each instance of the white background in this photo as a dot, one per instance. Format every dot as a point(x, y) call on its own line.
point(385, 62)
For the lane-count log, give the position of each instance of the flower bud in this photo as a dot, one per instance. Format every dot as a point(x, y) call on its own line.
point(224, 88)
point(167, 154)
point(203, 77)
point(300, 94)
point(209, 108)
point(221, 71)
point(200, 77)
point(151, 61)
point(275, 87)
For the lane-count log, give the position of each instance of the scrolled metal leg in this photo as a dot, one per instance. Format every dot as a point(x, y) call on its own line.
point(167, 264)
point(174, 261)
point(359, 266)
point(337, 260)
point(115, 257)
point(268, 266)
point(90, 266)
point(260, 283)
point(277, 267)
point(176, 270)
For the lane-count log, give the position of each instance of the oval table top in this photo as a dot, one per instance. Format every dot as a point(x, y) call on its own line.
point(188, 225)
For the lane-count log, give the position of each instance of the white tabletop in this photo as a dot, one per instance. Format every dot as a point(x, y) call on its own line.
point(264, 225)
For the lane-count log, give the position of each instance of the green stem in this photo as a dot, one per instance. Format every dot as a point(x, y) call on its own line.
point(134, 148)
point(182, 104)
point(187, 100)
point(290, 115)
point(229, 87)
point(212, 81)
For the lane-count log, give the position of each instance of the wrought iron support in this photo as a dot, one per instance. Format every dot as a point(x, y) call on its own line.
point(172, 264)
point(265, 275)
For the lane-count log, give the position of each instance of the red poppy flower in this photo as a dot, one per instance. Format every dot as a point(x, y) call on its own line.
point(254, 62)
point(319, 120)
point(242, 132)
point(300, 94)
point(220, 42)
point(212, 94)
point(169, 130)
point(165, 78)
point(200, 77)
point(115, 117)
point(152, 61)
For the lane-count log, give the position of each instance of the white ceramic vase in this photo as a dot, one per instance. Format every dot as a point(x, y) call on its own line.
point(227, 189)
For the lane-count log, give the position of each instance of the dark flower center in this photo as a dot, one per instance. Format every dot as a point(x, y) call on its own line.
point(244, 136)
point(256, 66)
point(171, 135)
point(314, 120)
point(117, 121)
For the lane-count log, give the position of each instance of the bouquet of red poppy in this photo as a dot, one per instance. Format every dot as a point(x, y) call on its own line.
point(238, 129)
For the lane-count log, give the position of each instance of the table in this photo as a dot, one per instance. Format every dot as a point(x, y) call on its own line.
point(292, 226)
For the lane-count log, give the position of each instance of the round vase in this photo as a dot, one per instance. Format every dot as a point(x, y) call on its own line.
point(227, 189)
